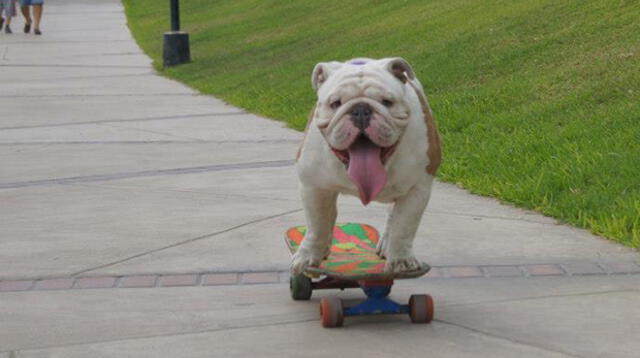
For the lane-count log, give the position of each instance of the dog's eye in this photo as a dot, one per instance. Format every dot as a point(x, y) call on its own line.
point(335, 104)
point(387, 102)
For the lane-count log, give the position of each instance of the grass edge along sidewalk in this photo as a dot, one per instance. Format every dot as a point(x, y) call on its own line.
point(538, 102)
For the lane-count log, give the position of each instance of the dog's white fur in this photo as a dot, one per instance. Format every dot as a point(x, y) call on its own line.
point(410, 168)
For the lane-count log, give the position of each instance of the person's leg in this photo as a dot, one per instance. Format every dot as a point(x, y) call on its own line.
point(7, 28)
point(9, 12)
point(26, 13)
point(37, 16)
point(5, 11)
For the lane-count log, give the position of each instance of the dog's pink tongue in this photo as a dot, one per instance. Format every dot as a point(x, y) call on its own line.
point(366, 169)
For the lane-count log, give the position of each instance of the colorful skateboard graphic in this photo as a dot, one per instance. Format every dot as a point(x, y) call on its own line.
point(352, 263)
point(353, 254)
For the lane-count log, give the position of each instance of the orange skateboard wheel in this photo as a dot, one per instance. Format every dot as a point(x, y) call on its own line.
point(421, 308)
point(331, 314)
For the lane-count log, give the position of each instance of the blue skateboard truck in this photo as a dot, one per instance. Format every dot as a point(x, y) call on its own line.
point(333, 311)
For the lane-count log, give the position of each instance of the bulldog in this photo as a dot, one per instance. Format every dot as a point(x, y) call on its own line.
point(371, 135)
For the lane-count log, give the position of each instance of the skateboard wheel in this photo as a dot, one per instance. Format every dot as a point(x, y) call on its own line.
point(331, 314)
point(421, 308)
point(300, 287)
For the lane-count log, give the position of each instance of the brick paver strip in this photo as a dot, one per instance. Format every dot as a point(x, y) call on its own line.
point(260, 277)
point(544, 270)
point(464, 271)
point(622, 267)
point(284, 276)
point(55, 284)
point(21, 285)
point(139, 281)
point(434, 272)
point(502, 271)
point(239, 278)
point(212, 279)
point(95, 282)
point(582, 269)
point(179, 280)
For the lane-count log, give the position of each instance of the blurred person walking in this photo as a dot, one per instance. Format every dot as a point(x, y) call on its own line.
point(9, 9)
point(37, 15)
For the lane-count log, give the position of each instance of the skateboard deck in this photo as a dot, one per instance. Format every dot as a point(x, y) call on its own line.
point(352, 255)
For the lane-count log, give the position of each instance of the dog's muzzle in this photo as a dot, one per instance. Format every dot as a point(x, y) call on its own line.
point(361, 115)
point(364, 160)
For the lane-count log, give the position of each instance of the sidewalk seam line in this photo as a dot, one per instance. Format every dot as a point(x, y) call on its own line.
point(198, 238)
point(148, 173)
point(508, 339)
point(176, 334)
point(126, 120)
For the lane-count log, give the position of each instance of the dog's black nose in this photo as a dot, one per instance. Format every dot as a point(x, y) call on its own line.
point(361, 115)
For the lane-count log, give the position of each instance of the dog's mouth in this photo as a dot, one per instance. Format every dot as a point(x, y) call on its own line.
point(364, 161)
point(344, 156)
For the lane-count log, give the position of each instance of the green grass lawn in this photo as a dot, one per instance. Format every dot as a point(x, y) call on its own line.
point(538, 101)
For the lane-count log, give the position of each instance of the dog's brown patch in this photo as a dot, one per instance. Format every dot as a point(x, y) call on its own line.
point(434, 152)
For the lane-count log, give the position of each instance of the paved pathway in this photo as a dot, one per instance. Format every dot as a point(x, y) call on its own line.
point(139, 218)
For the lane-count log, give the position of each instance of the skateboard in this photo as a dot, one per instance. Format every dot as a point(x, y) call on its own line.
point(353, 263)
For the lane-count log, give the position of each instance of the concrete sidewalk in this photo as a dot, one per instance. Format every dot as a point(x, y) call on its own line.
point(139, 218)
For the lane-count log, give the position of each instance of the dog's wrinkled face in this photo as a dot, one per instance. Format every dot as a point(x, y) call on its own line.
point(362, 113)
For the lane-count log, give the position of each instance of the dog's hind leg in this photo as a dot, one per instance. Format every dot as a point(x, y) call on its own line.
point(321, 212)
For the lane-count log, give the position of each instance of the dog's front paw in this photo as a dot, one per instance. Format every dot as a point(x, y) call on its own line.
point(402, 264)
point(303, 259)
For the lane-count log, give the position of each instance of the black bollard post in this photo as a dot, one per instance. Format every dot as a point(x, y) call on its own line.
point(176, 42)
point(175, 15)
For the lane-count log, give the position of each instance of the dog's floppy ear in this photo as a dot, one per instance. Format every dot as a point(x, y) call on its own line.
point(321, 73)
point(400, 69)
